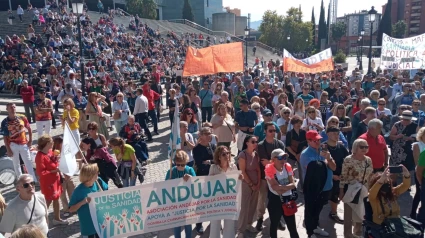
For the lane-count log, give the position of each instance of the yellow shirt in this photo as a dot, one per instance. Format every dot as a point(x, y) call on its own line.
point(74, 114)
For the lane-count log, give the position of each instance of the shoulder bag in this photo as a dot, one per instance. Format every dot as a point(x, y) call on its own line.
point(32, 210)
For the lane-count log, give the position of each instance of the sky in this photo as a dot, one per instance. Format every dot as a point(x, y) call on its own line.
point(258, 7)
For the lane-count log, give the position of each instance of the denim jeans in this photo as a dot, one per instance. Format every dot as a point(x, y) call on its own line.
point(129, 182)
point(152, 114)
point(421, 215)
point(206, 114)
point(187, 231)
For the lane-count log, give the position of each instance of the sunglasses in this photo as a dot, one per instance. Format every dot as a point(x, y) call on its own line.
point(334, 122)
point(271, 131)
point(283, 157)
point(363, 147)
point(312, 112)
point(268, 115)
point(225, 153)
point(286, 113)
point(416, 104)
point(190, 114)
point(257, 108)
point(382, 104)
point(254, 142)
point(119, 96)
point(91, 129)
point(27, 185)
point(180, 165)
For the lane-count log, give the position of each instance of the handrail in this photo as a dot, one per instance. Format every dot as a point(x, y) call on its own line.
point(206, 30)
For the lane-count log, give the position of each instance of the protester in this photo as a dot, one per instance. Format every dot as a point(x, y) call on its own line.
point(43, 113)
point(80, 103)
point(94, 110)
point(356, 168)
point(295, 143)
point(245, 121)
point(188, 142)
point(284, 122)
point(18, 211)
point(100, 139)
point(222, 165)
point(280, 181)
point(417, 148)
point(141, 112)
point(71, 116)
point(90, 183)
point(132, 133)
point(120, 110)
point(126, 156)
point(378, 150)
point(333, 121)
point(248, 161)
point(13, 129)
point(312, 121)
point(27, 93)
point(223, 126)
point(206, 102)
point(28, 231)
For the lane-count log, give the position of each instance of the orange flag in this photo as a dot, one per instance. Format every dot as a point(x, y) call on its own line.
point(221, 58)
point(320, 62)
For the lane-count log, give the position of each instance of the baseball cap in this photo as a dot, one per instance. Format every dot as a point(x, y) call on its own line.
point(41, 90)
point(313, 135)
point(332, 129)
point(277, 153)
point(267, 112)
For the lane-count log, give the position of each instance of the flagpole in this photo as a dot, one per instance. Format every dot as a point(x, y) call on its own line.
point(79, 149)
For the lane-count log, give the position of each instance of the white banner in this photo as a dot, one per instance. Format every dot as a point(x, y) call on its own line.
point(321, 56)
point(403, 54)
point(163, 205)
point(68, 163)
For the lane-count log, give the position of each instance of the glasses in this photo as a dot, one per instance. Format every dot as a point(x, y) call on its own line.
point(403, 108)
point(315, 141)
point(257, 108)
point(205, 84)
point(335, 122)
point(363, 147)
point(285, 112)
point(341, 108)
point(119, 96)
point(382, 104)
point(27, 185)
point(254, 142)
point(311, 112)
point(189, 114)
point(416, 104)
point(306, 89)
point(271, 131)
point(180, 165)
point(268, 115)
point(91, 129)
point(283, 157)
point(225, 153)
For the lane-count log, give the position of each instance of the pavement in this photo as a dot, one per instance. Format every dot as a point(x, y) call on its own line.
point(156, 169)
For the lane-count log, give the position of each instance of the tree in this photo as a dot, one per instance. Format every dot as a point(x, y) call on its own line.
point(145, 8)
point(399, 29)
point(313, 22)
point(295, 13)
point(385, 24)
point(322, 26)
point(187, 11)
point(338, 31)
point(328, 24)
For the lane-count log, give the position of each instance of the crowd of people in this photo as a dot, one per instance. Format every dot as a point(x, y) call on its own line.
point(335, 137)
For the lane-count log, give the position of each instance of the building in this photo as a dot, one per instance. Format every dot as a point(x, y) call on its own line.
point(202, 10)
point(235, 11)
point(409, 11)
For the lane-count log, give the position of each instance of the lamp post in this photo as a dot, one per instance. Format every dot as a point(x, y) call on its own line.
point(77, 8)
point(246, 45)
point(372, 17)
point(361, 49)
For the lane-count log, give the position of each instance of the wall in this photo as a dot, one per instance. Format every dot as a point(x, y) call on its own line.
point(240, 25)
point(224, 22)
point(202, 10)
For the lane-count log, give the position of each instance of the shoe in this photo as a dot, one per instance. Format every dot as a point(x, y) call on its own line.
point(200, 230)
point(66, 214)
point(149, 140)
point(56, 222)
point(320, 231)
point(336, 218)
point(281, 226)
point(240, 235)
point(252, 229)
point(259, 225)
point(156, 133)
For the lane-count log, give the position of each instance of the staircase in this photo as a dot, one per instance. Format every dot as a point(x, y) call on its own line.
point(17, 27)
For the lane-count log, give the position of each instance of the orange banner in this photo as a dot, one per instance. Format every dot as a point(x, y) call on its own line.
point(221, 58)
point(293, 65)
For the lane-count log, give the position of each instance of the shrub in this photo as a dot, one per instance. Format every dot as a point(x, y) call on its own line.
point(340, 57)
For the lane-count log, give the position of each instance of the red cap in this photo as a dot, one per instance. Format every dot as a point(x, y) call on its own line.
point(313, 135)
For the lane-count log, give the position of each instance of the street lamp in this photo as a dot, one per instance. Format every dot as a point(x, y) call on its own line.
point(246, 45)
point(372, 17)
point(361, 51)
point(77, 8)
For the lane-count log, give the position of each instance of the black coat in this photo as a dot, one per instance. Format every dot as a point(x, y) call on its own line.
point(315, 179)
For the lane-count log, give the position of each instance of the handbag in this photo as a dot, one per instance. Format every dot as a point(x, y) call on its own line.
point(357, 196)
point(117, 114)
point(289, 208)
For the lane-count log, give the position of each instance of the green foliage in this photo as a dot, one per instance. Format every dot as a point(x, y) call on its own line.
point(295, 14)
point(338, 30)
point(145, 8)
point(313, 23)
point(322, 26)
point(340, 57)
point(385, 24)
point(187, 11)
point(399, 29)
point(328, 22)
point(276, 28)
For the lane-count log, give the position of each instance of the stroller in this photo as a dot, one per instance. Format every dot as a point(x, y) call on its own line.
point(373, 230)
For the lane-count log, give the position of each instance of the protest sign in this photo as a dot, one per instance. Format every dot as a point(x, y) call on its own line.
point(320, 62)
point(403, 54)
point(68, 163)
point(163, 205)
point(214, 59)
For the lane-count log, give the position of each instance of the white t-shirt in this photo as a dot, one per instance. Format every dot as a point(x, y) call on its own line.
point(386, 111)
point(282, 178)
point(18, 213)
point(308, 123)
point(186, 148)
point(280, 122)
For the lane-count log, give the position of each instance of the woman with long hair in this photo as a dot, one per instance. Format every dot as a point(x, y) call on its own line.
point(120, 110)
point(312, 121)
point(257, 109)
point(181, 171)
point(100, 139)
point(356, 168)
point(417, 148)
point(217, 93)
point(105, 162)
point(283, 99)
point(284, 122)
point(28, 231)
point(344, 121)
point(222, 165)
point(280, 180)
point(295, 143)
point(68, 185)
point(248, 161)
point(126, 157)
point(299, 108)
point(94, 110)
point(171, 103)
point(325, 105)
point(223, 126)
point(71, 116)
point(189, 116)
point(47, 163)
point(90, 183)
point(3, 206)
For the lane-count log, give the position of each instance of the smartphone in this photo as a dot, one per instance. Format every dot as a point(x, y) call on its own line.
point(396, 169)
point(324, 147)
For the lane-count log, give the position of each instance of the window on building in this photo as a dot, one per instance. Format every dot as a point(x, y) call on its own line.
point(208, 3)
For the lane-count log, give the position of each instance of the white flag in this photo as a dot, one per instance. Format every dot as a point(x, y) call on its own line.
point(175, 140)
point(68, 163)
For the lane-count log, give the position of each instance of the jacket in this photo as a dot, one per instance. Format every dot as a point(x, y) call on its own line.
point(152, 96)
point(315, 179)
point(27, 94)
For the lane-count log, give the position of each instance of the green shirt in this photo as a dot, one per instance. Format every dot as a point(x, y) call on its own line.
point(421, 161)
point(128, 151)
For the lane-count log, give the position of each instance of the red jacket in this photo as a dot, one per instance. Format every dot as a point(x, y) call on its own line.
point(152, 96)
point(27, 94)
